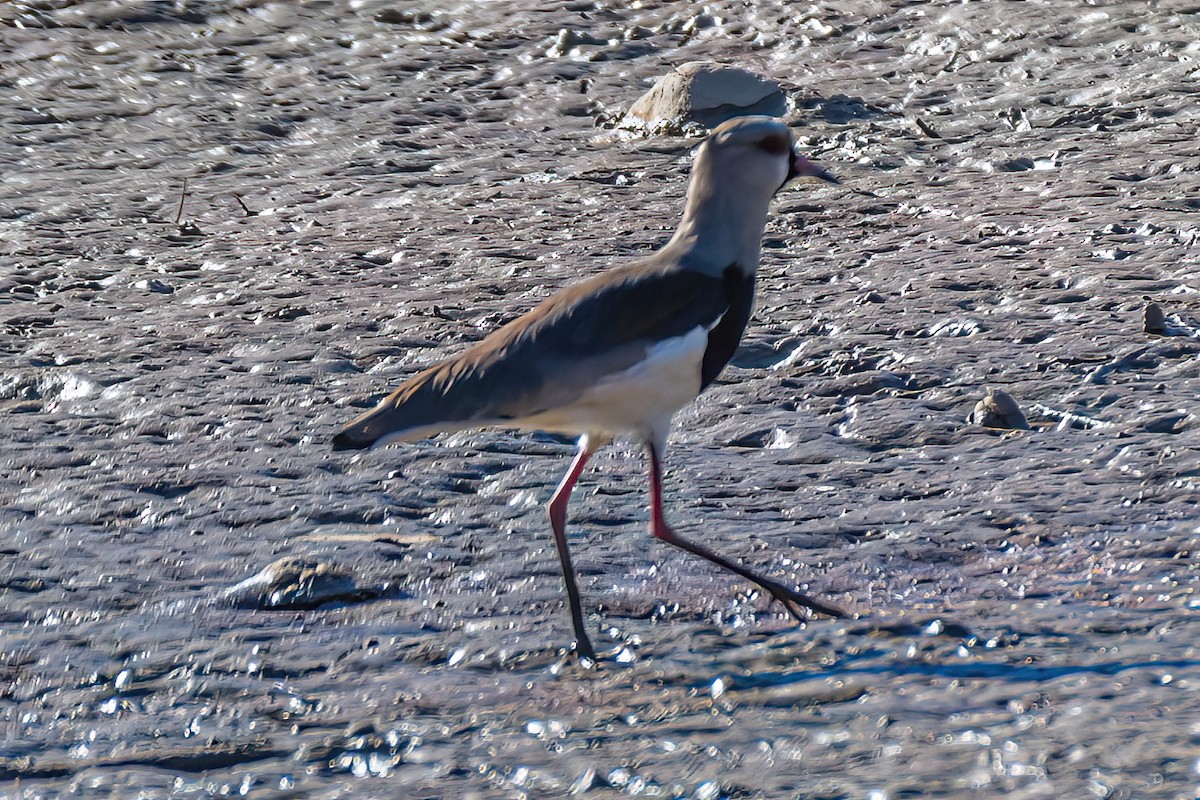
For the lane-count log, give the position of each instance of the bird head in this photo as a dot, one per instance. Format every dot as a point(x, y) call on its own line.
point(757, 152)
point(742, 164)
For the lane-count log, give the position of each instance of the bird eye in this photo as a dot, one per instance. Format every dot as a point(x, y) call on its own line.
point(775, 145)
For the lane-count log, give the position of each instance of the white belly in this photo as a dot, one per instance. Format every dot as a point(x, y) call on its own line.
point(640, 400)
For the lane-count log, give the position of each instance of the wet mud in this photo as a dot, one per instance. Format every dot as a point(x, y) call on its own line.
point(198, 598)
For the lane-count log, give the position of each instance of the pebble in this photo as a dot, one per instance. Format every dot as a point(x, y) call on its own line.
point(295, 582)
point(1154, 320)
point(998, 409)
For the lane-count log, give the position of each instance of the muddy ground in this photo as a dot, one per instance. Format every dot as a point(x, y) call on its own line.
point(371, 185)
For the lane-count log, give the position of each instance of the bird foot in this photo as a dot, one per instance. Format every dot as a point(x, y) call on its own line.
point(801, 606)
point(582, 648)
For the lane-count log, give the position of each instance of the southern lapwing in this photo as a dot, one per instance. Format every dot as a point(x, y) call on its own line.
point(620, 353)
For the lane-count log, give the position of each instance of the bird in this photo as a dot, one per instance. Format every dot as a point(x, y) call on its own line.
point(618, 354)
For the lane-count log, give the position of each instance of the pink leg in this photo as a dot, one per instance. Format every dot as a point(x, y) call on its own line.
point(792, 600)
point(558, 523)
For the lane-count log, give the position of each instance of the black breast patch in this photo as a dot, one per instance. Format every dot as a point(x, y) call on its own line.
point(724, 338)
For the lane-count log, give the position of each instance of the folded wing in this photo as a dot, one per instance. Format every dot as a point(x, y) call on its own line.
point(550, 356)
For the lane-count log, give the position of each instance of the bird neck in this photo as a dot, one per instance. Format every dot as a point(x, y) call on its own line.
point(720, 228)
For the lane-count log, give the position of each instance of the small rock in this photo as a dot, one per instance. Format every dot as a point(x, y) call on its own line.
point(154, 285)
point(1154, 320)
point(26, 585)
point(421, 20)
point(586, 781)
point(295, 582)
point(999, 410)
point(567, 40)
point(1021, 164)
point(953, 327)
point(707, 94)
point(1173, 422)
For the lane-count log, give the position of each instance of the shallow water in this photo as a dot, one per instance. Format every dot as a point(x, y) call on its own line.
point(1015, 185)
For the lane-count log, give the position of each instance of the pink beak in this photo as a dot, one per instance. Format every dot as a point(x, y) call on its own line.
point(801, 167)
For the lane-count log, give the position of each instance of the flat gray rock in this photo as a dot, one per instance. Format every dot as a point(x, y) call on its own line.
point(707, 94)
point(296, 583)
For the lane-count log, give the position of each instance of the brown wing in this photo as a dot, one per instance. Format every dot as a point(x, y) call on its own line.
point(548, 357)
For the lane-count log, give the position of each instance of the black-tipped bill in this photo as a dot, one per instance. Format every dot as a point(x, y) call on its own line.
point(344, 441)
point(801, 167)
